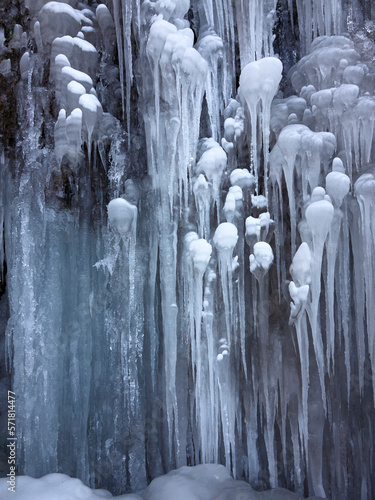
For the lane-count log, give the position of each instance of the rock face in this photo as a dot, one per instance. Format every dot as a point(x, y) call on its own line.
point(187, 253)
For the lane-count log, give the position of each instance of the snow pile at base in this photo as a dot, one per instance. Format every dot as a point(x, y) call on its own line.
point(202, 482)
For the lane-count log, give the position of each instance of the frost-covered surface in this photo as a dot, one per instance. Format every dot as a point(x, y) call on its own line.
point(189, 244)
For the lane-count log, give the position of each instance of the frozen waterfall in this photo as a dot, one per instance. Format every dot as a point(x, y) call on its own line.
point(187, 197)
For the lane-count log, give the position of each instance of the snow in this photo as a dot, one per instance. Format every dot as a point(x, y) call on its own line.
point(50, 487)
point(262, 257)
point(68, 74)
point(58, 19)
point(81, 54)
point(122, 216)
point(226, 236)
point(202, 482)
point(200, 251)
point(242, 177)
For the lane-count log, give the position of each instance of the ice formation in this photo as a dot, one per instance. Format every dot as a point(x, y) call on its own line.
point(187, 254)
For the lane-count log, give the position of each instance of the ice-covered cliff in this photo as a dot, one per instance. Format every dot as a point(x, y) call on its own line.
point(187, 199)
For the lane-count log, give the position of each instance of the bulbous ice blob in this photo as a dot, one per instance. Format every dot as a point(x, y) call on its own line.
point(259, 201)
point(231, 109)
point(299, 296)
point(318, 194)
point(81, 54)
point(74, 91)
point(261, 259)
point(201, 186)
point(131, 192)
point(307, 91)
point(122, 216)
point(172, 8)
point(200, 251)
point(263, 254)
point(24, 66)
point(159, 32)
point(229, 207)
point(38, 36)
point(237, 193)
point(92, 111)
point(344, 97)
point(252, 229)
point(353, 74)
point(68, 74)
point(189, 238)
point(337, 186)
point(74, 130)
point(319, 216)
point(259, 82)
point(298, 293)
point(213, 162)
point(243, 178)
point(226, 236)
point(58, 19)
point(229, 129)
point(60, 62)
point(61, 137)
point(265, 223)
point(365, 187)
point(107, 27)
point(322, 99)
point(338, 166)
point(324, 66)
point(300, 268)
point(210, 45)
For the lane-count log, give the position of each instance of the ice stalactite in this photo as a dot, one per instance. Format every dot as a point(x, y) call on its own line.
point(337, 187)
point(220, 17)
point(178, 74)
point(255, 34)
point(211, 48)
point(297, 145)
point(212, 163)
point(317, 18)
point(364, 191)
point(199, 254)
point(319, 215)
point(299, 290)
point(259, 82)
point(260, 262)
point(225, 240)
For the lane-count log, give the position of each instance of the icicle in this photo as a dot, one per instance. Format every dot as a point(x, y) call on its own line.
point(300, 270)
point(364, 190)
point(259, 82)
point(213, 162)
point(225, 239)
point(319, 215)
point(337, 187)
point(202, 203)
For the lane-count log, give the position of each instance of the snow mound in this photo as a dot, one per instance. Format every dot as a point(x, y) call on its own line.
point(202, 482)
